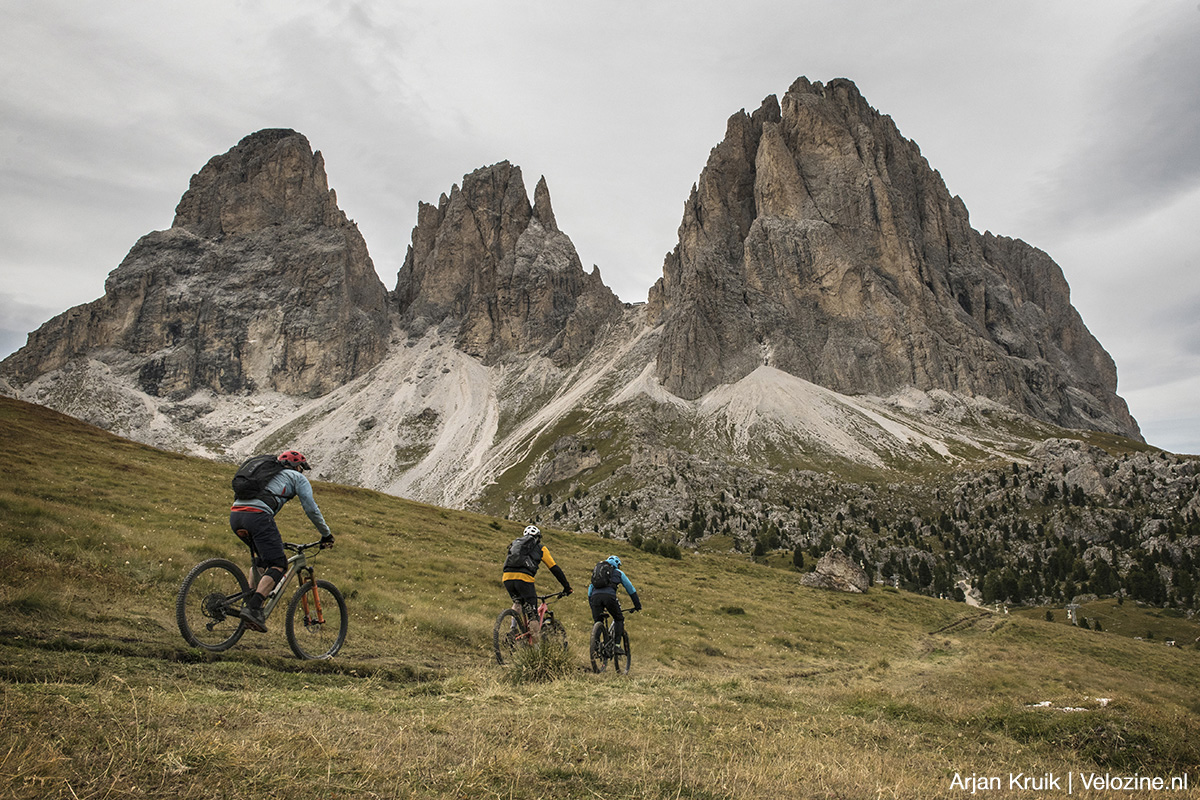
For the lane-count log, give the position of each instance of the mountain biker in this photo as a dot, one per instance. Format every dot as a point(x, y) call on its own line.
point(604, 597)
point(254, 522)
point(519, 574)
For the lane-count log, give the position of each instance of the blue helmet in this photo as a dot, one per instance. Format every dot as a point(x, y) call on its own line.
point(616, 562)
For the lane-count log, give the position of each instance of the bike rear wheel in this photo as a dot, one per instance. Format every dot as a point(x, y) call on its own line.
point(598, 650)
point(209, 602)
point(316, 621)
point(505, 635)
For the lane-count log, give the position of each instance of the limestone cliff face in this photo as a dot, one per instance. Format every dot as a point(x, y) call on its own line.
point(261, 283)
point(499, 267)
point(819, 241)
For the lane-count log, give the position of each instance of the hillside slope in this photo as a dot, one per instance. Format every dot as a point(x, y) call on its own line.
point(745, 685)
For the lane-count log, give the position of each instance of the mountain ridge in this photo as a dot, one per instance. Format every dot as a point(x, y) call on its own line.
point(827, 300)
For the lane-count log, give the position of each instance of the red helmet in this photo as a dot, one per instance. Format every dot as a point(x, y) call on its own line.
point(294, 459)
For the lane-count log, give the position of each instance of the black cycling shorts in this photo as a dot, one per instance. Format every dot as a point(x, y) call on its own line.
point(599, 601)
point(523, 592)
point(265, 540)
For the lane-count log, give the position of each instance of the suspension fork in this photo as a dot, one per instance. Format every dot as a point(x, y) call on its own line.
point(305, 576)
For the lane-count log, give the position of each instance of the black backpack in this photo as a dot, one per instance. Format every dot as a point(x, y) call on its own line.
point(602, 575)
point(524, 555)
point(250, 481)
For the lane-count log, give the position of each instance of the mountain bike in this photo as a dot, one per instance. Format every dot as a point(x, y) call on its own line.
point(603, 647)
point(511, 630)
point(210, 600)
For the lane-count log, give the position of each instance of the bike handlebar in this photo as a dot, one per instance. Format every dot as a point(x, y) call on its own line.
point(624, 610)
point(553, 596)
point(297, 548)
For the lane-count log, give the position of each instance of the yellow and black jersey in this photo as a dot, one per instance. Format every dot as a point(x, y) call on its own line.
point(547, 559)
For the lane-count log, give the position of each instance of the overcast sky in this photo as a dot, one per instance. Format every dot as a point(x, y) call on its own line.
point(1072, 125)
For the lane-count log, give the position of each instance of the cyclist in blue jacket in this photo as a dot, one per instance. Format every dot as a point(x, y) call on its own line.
point(607, 577)
point(253, 521)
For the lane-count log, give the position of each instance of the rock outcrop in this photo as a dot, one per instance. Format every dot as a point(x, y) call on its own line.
point(501, 269)
point(837, 571)
point(261, 283)
point(819, 241)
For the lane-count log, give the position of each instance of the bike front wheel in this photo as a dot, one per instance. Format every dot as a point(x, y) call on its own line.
point(598, 650)
point(209, 602)
point(621, 662)
point(316, 621)
point(507, 635)
point(553, 631)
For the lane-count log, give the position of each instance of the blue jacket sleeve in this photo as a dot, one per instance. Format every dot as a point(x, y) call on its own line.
point(302, 489)
point(626, 583)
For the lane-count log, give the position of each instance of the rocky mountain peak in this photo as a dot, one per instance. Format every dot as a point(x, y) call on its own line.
point(820, 242)
point(827, 306)
point(261, 284)
point(271, 177)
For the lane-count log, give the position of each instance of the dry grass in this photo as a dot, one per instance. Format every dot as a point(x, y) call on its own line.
point(802, 694)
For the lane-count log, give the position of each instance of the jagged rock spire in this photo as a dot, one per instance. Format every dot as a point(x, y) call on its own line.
point(502, 269)
point(542, 211)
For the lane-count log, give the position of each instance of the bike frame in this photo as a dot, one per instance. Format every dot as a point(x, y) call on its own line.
point(297, 563)
point(606, 619)
point(542, 610)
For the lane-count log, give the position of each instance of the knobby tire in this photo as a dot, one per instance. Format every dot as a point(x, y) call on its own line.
point(598, 648)
point(206, 615)
point(504, 638)
point(316, 621)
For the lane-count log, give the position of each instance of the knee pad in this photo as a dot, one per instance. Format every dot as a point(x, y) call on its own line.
point(275, 573)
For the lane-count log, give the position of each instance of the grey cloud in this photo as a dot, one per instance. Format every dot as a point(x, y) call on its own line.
point(1139, 152)
point(19, 318)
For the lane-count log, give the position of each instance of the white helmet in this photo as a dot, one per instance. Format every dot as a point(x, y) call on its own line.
point(532, 530)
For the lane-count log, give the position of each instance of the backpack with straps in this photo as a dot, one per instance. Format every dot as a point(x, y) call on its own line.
point(524, 555)
point(602, 575)
point(250, 481)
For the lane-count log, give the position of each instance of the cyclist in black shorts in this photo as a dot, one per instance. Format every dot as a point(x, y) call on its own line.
point(525, 555)
point(254, 521)
point(607, 577)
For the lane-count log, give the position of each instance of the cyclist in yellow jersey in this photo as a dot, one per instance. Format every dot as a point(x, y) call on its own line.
point(525, 555)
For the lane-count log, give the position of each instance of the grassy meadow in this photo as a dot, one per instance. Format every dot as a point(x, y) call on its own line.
point(744, 684)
